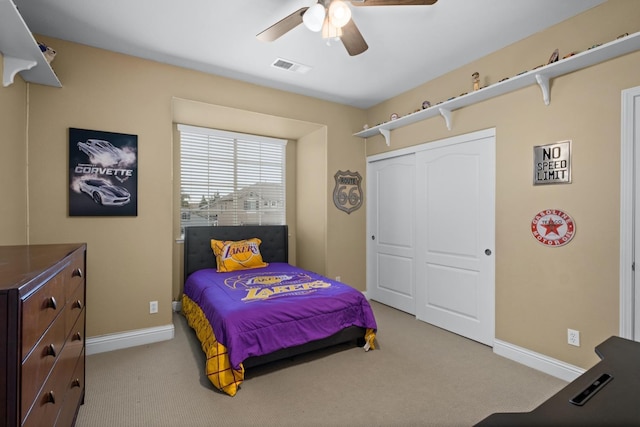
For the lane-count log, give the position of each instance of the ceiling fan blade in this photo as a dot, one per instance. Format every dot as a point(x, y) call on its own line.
point(283, 26)
point(352, 39)
point(393, 2)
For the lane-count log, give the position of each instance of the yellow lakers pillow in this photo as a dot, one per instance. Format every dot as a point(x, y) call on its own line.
point(237, 255)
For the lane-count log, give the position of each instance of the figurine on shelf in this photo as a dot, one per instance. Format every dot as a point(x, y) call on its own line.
point(476, 80)
point(47, 51)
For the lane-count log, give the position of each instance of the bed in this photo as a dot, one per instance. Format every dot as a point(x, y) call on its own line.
point(266, 310)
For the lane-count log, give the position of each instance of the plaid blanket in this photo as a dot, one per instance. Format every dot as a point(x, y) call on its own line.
point(218, 368)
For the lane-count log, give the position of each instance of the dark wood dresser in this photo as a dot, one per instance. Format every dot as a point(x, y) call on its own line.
point(42, 334)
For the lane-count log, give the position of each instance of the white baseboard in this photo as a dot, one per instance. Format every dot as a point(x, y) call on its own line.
point(546, 364)
point(127, 339)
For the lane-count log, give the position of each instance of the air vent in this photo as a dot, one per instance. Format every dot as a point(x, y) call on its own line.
point(287, 65)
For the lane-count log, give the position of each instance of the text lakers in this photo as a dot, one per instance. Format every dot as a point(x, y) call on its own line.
point(263, 293)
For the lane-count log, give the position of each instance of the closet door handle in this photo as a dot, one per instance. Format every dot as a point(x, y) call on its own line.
point(373, 237)
point(487, 252)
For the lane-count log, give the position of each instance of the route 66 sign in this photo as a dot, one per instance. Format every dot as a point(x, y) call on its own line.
point(347, 194)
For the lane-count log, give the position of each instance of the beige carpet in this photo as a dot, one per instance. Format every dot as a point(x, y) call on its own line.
point(420, 376)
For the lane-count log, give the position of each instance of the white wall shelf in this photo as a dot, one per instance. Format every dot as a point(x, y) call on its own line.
point(540, 76)
point(20, 50)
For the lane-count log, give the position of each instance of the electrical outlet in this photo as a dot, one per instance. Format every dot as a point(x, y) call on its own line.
point(573, 337)
point(338, 278)
point(153, 307)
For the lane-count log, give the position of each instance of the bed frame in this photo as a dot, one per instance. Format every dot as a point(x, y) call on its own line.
point(274, 248)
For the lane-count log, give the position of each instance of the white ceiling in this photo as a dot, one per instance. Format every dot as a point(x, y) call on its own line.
point(408, 45)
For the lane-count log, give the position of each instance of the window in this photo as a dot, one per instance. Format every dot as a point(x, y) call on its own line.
point(228, 178)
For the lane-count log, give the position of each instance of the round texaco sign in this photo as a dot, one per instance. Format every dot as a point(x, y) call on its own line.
point(553, 227)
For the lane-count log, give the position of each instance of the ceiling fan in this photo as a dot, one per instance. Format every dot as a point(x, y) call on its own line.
point(333, 18)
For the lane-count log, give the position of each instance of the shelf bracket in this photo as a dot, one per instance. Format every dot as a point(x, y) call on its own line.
point(13, 66)
point(387, 136)
point(543, 82)
point(446, 114)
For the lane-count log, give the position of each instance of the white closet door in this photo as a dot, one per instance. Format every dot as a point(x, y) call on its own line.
point(634, 122)
point(455, 269)
point(391, 231)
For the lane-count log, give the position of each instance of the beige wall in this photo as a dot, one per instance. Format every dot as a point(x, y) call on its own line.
point(311, 204)
point(346, 240)
point(13, 158)
point(540, 291)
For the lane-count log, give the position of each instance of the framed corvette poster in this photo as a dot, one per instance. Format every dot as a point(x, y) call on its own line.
point(103, 173)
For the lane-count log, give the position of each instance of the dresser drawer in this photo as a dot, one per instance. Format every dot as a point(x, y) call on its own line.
point(38, 364)
point(49, 399)
point(73, 395)
point(74, 273)
point(39, 310)
point(75, 305)
point(75, 340)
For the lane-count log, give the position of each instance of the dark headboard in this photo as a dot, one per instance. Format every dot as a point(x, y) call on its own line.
point(197, 243)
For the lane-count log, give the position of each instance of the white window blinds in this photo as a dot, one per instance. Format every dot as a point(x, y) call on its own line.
point(228, 178)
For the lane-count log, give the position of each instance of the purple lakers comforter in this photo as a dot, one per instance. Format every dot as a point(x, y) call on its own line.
point(258, 311)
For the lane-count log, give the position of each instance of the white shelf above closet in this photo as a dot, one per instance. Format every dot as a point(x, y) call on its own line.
point(540, 76)
point(20, 50)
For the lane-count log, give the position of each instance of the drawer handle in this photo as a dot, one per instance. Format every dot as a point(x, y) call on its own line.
point(77, 336)
point(51, 303)
point(50, 350)
point(77, 272)
point(77, 304)
point(75, 383)
point(50, 398)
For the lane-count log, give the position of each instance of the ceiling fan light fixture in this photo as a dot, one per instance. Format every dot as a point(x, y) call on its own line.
point(339, 13)
point(314, 17)
point(329, 31)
